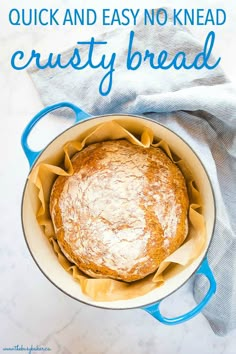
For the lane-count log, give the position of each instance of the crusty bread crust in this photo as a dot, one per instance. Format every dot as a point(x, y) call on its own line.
point(122, 212)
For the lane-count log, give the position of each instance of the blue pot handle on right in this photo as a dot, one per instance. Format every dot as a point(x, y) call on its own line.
point(154, 309)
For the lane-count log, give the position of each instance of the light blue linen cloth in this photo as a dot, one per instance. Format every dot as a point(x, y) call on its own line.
point(199, 105)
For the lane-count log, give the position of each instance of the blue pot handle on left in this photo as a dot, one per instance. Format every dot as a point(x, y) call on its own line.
point(32, 155)
point(154, 309)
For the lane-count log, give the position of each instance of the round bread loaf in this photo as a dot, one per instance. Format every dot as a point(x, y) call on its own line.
point(122, 212)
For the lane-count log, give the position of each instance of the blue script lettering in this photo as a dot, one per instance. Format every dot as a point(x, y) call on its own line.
point(162, 60)
point(20, 56)
point(179, 61)
point(19, 61)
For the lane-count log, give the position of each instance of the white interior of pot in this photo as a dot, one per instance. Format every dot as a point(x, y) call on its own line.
point(42, 250)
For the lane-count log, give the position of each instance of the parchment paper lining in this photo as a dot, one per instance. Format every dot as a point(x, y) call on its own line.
point(43, 176)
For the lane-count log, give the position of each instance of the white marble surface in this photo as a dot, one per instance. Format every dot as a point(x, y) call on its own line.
point(32, 310)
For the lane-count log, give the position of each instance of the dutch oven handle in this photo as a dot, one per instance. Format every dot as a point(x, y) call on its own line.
point(155, 311)
point(32, 155)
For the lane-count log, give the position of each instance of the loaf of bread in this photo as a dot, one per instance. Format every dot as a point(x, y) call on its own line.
point(122, 212)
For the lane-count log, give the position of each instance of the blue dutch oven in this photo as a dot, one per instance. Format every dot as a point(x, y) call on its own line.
point(41, 250)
